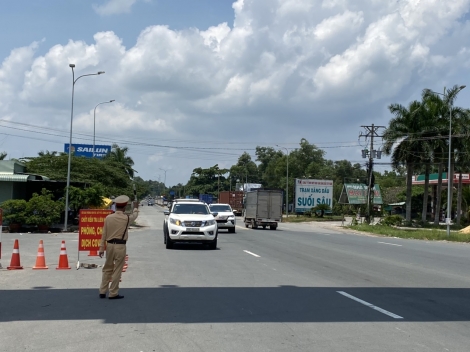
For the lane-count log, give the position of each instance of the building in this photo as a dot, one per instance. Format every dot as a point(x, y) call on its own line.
point(16, 184)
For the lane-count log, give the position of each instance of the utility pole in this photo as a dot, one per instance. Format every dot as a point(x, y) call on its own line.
point(371, 132)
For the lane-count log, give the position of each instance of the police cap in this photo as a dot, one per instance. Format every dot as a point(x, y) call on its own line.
point(121, 200)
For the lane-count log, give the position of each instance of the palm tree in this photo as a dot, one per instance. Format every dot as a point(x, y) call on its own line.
point(120, 155)
point(403, 140)
point(3, 155)
point(462, 154)
point(441, 105)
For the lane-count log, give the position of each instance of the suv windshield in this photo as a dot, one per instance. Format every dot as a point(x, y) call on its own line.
point(190, 209)
point(220, 208)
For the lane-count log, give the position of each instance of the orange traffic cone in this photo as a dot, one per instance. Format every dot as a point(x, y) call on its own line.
point(124, 268)
point(15, 258)
point(93, 253)
point(63, 259)
point(40, 259)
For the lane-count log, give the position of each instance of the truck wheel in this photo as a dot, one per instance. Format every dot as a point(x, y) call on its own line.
point(254, 225)
point(246, 224)
point(272, 227)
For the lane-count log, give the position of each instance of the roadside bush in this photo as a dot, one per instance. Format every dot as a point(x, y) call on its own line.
point(308, 213)
point(392, 220)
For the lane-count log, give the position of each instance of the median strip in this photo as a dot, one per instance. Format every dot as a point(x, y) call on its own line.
point(395, 316)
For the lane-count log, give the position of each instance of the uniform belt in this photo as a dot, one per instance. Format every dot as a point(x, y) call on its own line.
point(115, 241)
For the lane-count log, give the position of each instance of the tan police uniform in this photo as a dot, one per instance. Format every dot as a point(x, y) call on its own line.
point(114, 238)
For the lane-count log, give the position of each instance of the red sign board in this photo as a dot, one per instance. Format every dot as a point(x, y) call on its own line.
point(90, 228)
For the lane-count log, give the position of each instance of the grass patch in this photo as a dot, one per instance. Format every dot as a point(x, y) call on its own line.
point(302, 218)
point(419, 234)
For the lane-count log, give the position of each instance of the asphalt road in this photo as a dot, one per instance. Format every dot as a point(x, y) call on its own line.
point(303, 287)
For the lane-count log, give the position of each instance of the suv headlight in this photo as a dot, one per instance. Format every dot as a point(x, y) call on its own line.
point(231, 217)
point(175, 221)
point(209, 223)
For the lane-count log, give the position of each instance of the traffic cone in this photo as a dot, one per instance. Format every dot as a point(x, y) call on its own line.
point(63, 259)
point(93, 253)
point(15, 258)
point(120, 277)
point(40, 259)
point(124, 268)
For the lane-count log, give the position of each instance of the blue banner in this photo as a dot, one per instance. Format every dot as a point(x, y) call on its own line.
point(86, 150)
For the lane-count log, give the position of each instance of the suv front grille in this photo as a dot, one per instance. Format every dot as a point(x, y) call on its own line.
point(193, 223)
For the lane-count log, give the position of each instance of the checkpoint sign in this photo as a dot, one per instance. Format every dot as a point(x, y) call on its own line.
point(90, 228)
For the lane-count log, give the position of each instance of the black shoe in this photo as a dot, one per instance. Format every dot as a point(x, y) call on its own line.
point(116, 297)
point(102, 295)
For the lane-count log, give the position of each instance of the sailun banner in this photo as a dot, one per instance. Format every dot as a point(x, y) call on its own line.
point(86, 150)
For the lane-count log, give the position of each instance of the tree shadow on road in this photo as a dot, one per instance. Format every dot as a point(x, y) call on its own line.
point(172, 304)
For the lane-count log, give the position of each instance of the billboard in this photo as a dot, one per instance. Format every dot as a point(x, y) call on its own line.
point(86, 150)
point(247, 187)
point(310, 193)
point(356, 193)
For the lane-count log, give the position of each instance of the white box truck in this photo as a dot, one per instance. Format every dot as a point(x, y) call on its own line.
point(263, 207)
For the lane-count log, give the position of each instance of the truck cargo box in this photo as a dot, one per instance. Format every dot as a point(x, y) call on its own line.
point(263, 207)
point(234, 199)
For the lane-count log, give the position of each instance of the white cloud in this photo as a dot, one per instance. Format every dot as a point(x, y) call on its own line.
point(114, 7)
point(287, 69)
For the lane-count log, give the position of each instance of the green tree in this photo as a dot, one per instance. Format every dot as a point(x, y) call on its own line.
point(245, 169)
point(85, 198)
point(440, 106)
point(42, 209)
point(402, 142)
point(119, 155)
point(108, 172)
point(205, 181)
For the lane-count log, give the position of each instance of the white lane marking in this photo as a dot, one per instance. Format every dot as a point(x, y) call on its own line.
point(391, 244)
point(370, 305)
point(253, 254)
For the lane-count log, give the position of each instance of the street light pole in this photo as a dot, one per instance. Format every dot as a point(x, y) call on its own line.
point(70, 142)
point(450, 180)
point(164, 180)
point(287, 181)
point(94, 123)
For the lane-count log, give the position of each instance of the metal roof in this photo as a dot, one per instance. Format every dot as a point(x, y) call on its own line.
point(4, 177)
point(10, 177)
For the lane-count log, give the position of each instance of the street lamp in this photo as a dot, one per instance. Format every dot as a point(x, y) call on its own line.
point(287, 181)
point(94, 122)
point(74, 80)
point(449, 179)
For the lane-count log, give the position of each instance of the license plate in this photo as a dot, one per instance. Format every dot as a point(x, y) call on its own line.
point(222, 217)
point(192, 229)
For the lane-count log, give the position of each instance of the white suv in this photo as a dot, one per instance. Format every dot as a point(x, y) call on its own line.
point(225, 217)
point(190, 221)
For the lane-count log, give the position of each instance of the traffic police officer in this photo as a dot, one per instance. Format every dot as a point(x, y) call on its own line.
point(114, 238)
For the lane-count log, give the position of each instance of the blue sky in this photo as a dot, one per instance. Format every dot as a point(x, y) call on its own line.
point(197, 83)
point(58, 21)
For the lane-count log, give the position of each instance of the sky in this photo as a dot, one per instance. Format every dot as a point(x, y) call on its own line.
point(197, 83)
